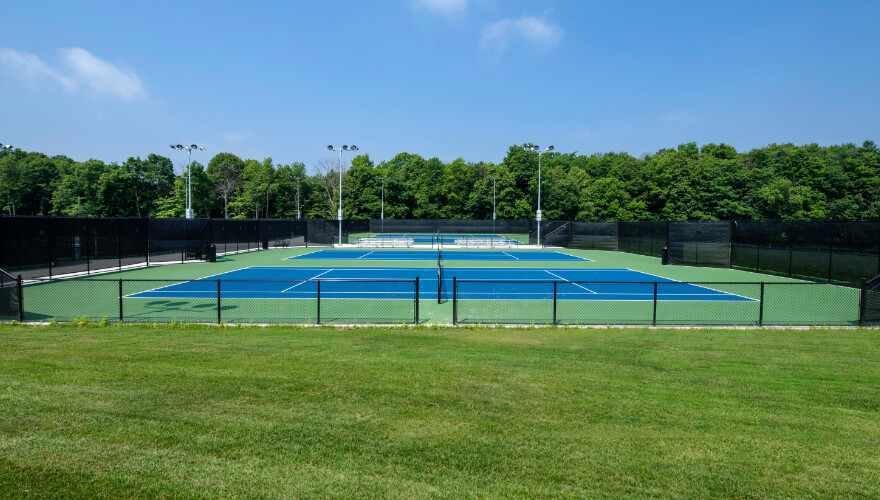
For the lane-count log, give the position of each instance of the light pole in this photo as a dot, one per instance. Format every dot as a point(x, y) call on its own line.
point(383, 204)
point(494, 182)
point(538, 150)
point(298, 213)
point(189, 149)
point(339, 212)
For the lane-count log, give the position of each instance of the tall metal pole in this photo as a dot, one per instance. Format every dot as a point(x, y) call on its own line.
point(189, 184)
point(298, 213)
point(539, 197)
point(339, 212)
point(189, 149)
point(540, 152)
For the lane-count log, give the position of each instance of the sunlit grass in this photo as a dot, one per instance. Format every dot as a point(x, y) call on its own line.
point(143, 411)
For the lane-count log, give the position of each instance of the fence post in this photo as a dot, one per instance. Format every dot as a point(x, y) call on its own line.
point(862, 301)
point(790, 245)
point(20, 300)
point(318, 318)
point(554, 301)
point(118, 247)
point(454, 301)
point(761, 307)
point(830, 256)
point(417, 301)
point(120, 301)
point(147, 240)
point(219, 317)
point(654, 319)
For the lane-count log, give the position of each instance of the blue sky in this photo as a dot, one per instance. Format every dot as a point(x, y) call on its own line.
point(444, 78)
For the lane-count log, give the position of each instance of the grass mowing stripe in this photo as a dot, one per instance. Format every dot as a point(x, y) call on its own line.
point(185, 412)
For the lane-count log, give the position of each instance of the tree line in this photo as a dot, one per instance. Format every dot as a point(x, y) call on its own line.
point(712, 182)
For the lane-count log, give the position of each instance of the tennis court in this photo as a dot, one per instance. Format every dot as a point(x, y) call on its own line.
point(430, 255)
point(394, 283)
point(445, 237)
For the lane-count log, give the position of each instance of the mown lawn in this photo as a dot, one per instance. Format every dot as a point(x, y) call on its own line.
point(143, 411)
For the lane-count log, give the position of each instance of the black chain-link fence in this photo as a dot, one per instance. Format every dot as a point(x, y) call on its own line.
point(37, 247)
point(223, 301)
point(643, 238)
point(657, 303)
point(10, 300)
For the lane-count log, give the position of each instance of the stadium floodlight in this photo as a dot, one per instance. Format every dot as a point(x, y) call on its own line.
point(537, 149)
point(6, 146)
point(189, 149)
point(345, 147)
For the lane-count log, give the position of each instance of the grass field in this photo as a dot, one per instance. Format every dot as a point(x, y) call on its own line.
point(798, 303)
point(281, 412)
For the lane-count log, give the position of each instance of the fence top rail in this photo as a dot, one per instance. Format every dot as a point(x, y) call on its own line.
point(209, 280)
point(853, 283)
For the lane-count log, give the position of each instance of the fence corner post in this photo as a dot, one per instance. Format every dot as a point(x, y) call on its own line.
point(20, 300)
point(120, 302)
point(761, 307)
point(219, 317)
point(417, 301)
point(555, 283)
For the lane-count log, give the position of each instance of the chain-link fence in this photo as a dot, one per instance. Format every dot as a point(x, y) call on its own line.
point(656, 303)
point(38, 247)
point(10, 296)
point(223, 301)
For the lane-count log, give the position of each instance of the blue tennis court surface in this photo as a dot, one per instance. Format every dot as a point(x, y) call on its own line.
point(479, 255)
point(515, 284)
point(445, 237)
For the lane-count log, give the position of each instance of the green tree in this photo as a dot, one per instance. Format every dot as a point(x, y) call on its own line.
point(225, 171)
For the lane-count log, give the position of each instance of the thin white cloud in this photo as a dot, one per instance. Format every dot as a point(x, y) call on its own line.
point(80, 69)
point(537, 32)
point(443, 7)
point(30, 68)
point(101, 76)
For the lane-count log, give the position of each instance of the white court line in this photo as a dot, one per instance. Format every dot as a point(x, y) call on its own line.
point(507, 254)
point(301, 282)
point(692, 284)
point(575, 284)
point(364, 255)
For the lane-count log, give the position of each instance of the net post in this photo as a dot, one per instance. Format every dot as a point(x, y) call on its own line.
point(862, 300)
point(439, 278)
point(120, 301)
point(654, 319)
point(761, 307)
point(219, 318)
point(20, 300)
point(454, 301)
point(318, 317)
point(417, 301)
point(555, 283)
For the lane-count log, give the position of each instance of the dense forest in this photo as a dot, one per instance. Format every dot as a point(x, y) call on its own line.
point(712, 182)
